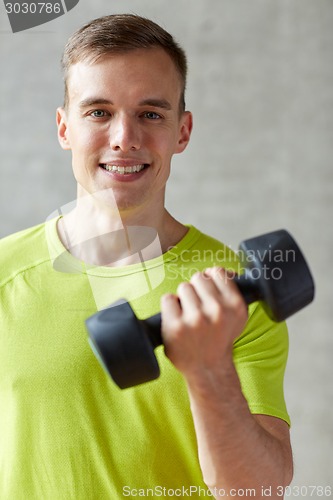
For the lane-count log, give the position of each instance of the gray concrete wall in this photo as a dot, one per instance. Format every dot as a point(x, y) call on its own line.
point(261, 90)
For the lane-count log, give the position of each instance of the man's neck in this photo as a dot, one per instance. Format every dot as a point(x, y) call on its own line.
point(103, 236)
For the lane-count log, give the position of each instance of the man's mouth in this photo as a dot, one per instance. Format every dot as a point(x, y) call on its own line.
point(124, 170)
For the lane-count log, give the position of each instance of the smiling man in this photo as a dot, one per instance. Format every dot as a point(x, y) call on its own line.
point(215, 422)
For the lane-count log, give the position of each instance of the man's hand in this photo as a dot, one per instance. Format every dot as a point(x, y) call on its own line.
point(201, 322)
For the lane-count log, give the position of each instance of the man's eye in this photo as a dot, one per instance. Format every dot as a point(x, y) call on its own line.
point(98, 113)
point(151, 115)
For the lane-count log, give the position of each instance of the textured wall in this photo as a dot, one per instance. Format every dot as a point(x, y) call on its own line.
point(261, 90)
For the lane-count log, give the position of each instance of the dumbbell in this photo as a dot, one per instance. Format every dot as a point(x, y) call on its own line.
point(275, 273)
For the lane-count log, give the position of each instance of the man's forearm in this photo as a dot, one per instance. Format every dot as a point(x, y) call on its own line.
point(235, 451)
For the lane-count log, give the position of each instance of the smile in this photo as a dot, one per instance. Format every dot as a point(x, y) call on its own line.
point(123, 170)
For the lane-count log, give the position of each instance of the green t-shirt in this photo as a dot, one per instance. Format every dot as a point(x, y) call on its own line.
point(67, 431)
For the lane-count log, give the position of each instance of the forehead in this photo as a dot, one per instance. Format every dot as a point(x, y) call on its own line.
point(129, 74)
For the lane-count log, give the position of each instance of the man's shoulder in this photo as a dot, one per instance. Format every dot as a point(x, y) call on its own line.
point(22, 250)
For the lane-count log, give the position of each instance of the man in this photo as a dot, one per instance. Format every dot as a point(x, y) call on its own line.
point(216, 416)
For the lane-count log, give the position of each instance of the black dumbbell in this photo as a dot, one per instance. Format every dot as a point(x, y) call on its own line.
point(276, 274)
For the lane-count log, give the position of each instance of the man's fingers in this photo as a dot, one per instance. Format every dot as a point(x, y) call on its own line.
point(223, 279)
point(186, 306)
point(200, 323)
point(206, 295)
point(171, 307)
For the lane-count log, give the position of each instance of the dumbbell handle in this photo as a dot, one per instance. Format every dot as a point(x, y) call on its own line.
point(246, 285)
point(153, 329)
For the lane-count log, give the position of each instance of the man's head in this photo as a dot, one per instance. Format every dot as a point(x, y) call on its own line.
point(121, 33)
point(124, 117)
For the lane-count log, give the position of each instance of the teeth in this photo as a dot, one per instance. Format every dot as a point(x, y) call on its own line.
point(123, 170)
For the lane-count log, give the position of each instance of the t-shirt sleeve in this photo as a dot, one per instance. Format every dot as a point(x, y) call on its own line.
point(260, 357)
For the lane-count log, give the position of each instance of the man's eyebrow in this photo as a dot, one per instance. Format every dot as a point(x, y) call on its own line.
point(156, 103)
point(93, 101)
point(153, 102)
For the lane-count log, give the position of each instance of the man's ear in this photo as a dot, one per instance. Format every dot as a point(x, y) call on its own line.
point(186, 125)
point(62, 129)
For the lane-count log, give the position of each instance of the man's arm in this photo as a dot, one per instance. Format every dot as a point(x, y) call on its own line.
point(236, 449)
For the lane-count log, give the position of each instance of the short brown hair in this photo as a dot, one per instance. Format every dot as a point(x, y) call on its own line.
point(121, 33)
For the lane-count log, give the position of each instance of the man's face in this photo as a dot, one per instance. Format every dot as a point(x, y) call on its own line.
point(123, 125)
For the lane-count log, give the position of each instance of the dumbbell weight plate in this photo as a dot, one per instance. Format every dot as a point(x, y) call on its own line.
point(276, 274)
point(127, 354)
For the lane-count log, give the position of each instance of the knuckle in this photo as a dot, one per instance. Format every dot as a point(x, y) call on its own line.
point(183, 287)
point(237, 301)
point(213, 269)
point(238, 306)
point(175, 328)
point(216, 311)
point(196, 319)
point(212, 314)
point(196, 277)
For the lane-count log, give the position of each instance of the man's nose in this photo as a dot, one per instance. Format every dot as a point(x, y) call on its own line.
point(125, 134)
